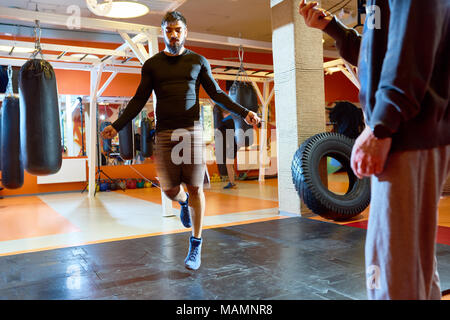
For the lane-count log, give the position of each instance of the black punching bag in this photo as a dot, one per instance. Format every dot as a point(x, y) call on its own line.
point(126, 141)
point(11, 164)
point(3, 79)
point(106, 142)
point(219, 140)
point(39, 118)
point(243, 93)
point(146, 138)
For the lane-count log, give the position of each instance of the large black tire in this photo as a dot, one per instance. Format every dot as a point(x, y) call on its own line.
point(307, 181)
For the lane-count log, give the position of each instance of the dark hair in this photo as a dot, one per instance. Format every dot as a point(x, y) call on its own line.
point(173, 16)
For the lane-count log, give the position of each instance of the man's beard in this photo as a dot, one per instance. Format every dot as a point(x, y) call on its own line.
point(175, 48)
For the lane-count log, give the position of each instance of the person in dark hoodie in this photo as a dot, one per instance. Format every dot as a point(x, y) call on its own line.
point(402, 59)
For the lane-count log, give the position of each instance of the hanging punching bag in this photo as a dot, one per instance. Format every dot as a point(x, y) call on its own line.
point(3, 79)
point(11, 163)
point(242, 92)
point(146, 138)
point(126, 145)
point(39, 118)
point(106, 142)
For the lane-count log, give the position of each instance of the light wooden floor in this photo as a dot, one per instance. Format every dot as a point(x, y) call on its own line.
point(33, 223)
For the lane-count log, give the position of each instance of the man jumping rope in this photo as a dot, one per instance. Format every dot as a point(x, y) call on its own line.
point(175, 75)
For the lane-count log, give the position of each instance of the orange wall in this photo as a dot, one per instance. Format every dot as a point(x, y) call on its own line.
point(338, 87)
point(30, 185)
point(78, 82)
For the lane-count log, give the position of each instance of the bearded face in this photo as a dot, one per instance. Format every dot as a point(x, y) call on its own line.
point(174, 36)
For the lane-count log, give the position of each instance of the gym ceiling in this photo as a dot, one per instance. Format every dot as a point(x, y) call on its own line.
point(247, 19)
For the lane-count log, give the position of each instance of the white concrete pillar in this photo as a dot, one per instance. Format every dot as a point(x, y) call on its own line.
point(299, 93)
point(96, 74)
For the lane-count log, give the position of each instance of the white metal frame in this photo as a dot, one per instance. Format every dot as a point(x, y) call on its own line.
point(343, 66)
point(265, 99)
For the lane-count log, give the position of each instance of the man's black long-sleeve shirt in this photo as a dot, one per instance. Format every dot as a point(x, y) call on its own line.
point(176, 81)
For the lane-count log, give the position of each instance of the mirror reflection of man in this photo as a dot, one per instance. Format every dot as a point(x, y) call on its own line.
point(175, 75)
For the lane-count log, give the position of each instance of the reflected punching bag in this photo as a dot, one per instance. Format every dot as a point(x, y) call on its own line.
point(105, 142)
point(126, 145)
point(39, 118)
point(146, 138)
point(242, 92)
point(11, 158)
point(219, 140)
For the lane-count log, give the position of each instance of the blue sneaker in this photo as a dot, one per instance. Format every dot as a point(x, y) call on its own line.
point(193, 259)
point(185, 215)
point(230, 185)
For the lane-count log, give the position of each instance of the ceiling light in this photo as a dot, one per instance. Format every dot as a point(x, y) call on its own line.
point(23, 50)
point(16, 49)
point(84, 56)
point(125, 9)
point(5, 48)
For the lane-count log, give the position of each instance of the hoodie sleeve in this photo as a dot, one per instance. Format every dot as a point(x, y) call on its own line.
point(348, 40)
point(415, 31)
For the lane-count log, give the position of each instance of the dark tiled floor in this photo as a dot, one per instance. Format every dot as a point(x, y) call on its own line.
point(293, 258)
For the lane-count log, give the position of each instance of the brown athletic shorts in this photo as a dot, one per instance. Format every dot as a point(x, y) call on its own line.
point(180, 156)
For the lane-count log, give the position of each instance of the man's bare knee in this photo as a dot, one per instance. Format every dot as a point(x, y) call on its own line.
point(172, 192)
point(194, 191)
